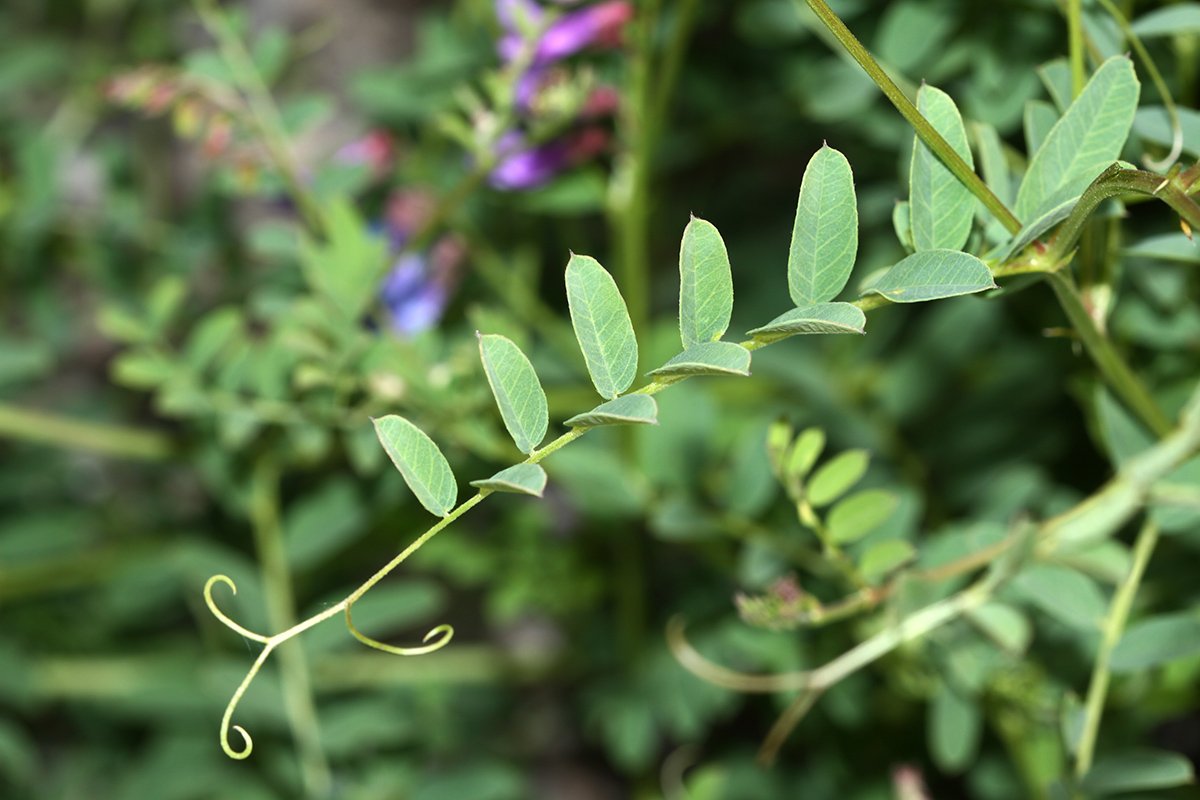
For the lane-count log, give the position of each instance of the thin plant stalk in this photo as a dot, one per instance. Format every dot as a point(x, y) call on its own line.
point(293, 665)
point(928, 134)
point(1114, 626)
point(1075, 47)
point(72, 434)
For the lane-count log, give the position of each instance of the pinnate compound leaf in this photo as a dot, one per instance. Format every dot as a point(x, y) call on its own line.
point(709, 358)
point(705, 284)
point(632, 409)
point(419, 460)
point(1157, 640)
point(836, 477)
point(853, 517)
point(932, 275)
point(825, 235)
point(517, 390)
point(883, 558)
point(942, 209)
point(602, 326)
point(819, 318)
point(1137, 770)
point(519, 479)
point(1088, 138)
point(955, 725)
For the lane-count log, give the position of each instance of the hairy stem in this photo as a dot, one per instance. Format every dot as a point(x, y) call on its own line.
point(928, 134)
point(1114, 626)
point(110, 440)
point(277, 583)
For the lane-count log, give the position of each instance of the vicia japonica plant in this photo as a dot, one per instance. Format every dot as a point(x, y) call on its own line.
point(935, 475)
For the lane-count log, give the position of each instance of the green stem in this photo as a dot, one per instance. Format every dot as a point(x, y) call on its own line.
point(74, 434)
point(1114, 626)
point(629, 202)
point(1075, 45)
point(264, 115)
point(1116, 372)
point(277, 583)
point(927, 133)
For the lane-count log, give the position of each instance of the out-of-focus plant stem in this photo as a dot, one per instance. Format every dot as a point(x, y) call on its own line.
point(264, 115)
point(1075, 46)
point(73, 434)
point(293, 667)
point(1114, 626)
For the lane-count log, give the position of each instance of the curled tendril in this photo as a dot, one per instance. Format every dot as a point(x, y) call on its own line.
point(229, 709)
point(212, 606)
point(446, 631)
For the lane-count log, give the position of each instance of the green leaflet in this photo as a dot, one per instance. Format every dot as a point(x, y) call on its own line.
point(1174, 20)
point(1064, 593)
point(1040, 118)
point(1004, 625)
point(1154, 123)
point(1056, 77)
point(602, 326)
point(883, 558)
point(709, 358)
point(836, 477)
point(941, 206)
point(902, 224)
point(1157, 640)
point(419, 460)
point(345, 267)
point(993, 163)
point(517, 390)
point(1137, 770)
point(705, 285)
point(1041, 223)
point(934, 274)
point(819, 318)
point(1166, 247)
point(1088, 138)
point(954, 727)
point(825, 235)
point(632, 409)
point(856, 515)
point(519, 479)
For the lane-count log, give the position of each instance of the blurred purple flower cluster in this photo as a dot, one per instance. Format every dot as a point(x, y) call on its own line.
point(530, 34)
point(419, 285)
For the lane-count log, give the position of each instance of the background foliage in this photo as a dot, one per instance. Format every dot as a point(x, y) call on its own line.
point(185, 318)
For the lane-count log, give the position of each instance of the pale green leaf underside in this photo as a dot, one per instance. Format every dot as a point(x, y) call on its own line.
point(1173, 20)
point(709, 358)
point(884, 557)
point(902, 224)
point(932, 275)
point(992, 162)
point(1042, 221)
point(1137, 770)
point(705, 284)
point(632, 409)
point(519, 479)
point(941, 206)
point(1040, 118)
point(419, 460)
point(853, 517)
point(819, 318)
point(1088, 138)
point(825, 235)
point(517, 390)
point(602, 326)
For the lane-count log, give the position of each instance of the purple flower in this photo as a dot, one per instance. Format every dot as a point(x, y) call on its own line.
point(521, 167)
point(596, 25)
point(414, 302)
